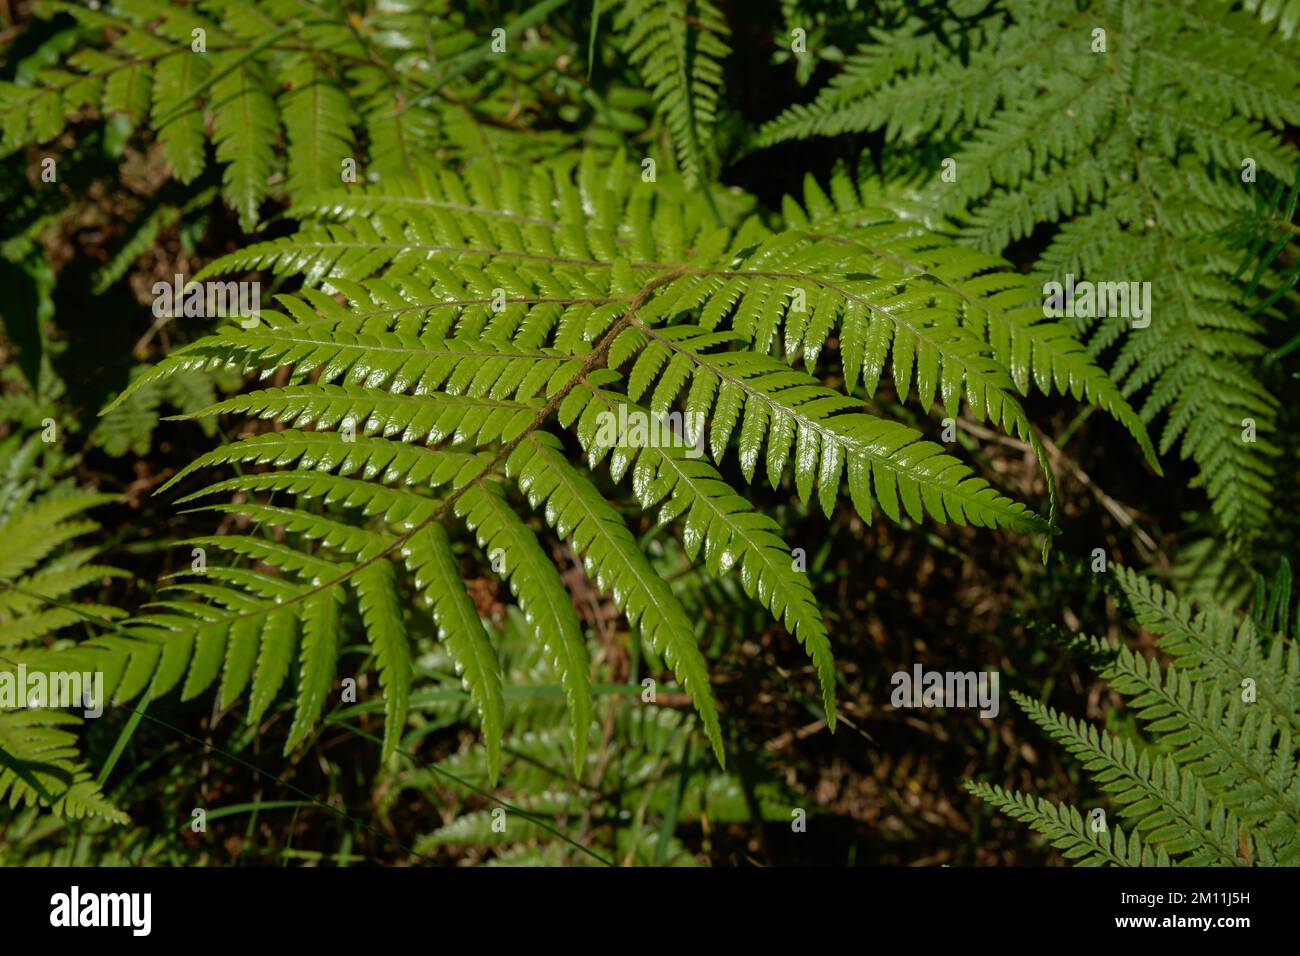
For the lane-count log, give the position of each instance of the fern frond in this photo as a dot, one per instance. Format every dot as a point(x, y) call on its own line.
point(678, 46)
point(716, 521)
point(1066, 830)
point(542, 597)
point(575, 508)
point(318, 120)
point(1162, 801)
point(1129, 158)
point(792, 412)
point(447, 323)
point(1223, 740)
point(238, 74)
point(1217, 783)
point(1001, 310)
point(39, 761)
point(429, 557)
point(1218, 648)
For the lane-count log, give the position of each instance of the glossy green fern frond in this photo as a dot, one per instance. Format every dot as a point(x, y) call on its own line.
point(447, 326)
point(798, 419)
point(542, 597)
point(750, 280)
point(716, 521)
point(578, 511)
point(429, 557)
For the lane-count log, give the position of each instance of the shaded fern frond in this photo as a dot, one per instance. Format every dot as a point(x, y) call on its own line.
point(678, 46)
point(1213, 779)
point(637, 794)
point(293, 89)
point(39, 575)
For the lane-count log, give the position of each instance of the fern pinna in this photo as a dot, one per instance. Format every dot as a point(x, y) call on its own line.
point(451, 331)
point(1216, 781)
point(1129, 136)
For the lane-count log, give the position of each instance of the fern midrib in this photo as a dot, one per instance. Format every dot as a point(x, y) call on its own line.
point(370, 347)
point(263, 404)
point(392, 199)
point(491, 253)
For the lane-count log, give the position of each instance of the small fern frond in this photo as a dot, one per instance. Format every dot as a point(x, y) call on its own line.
point(1168, 805)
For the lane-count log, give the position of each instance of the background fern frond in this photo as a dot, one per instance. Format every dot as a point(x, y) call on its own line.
point(678, 46)
point(1104, 130)
point(39, 759)
point(1214, 779)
